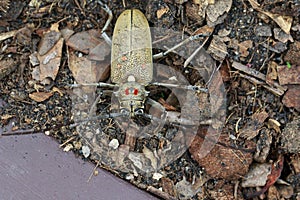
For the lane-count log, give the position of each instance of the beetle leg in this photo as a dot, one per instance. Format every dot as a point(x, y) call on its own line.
point(100, 84)
point(186, 87)
point(110, 16)
point(187, 40)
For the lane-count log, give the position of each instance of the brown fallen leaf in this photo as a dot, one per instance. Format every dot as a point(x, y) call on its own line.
point(288, 75)
point(87, 71)
point(40, 96)
point(84, 41)
point(244, 46)
point(49, 39)
point(222, 161)
point(291, 98)
point(252, 127)
point(271, 73)
point(50, 62)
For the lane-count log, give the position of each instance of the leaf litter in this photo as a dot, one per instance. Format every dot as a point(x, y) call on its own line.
point(263, 95)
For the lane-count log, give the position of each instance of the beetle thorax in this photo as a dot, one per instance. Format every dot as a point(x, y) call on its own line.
point(131, 96)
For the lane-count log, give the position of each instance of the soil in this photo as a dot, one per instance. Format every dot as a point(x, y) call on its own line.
point(249, 116)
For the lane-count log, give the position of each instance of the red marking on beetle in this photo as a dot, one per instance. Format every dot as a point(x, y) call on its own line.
point(136, 91)
point(119, 65)
point(126, 91)
point(143, 66)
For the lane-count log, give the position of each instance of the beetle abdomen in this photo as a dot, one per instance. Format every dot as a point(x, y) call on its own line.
point(131, 52)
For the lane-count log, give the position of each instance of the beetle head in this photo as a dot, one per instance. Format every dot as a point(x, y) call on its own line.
point(131, 95)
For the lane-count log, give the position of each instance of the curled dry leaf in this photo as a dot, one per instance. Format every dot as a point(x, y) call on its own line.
point(50, 62)
point(40, 96)
point(48, 56)
point(284, 22)
point(251, 129)
point(272, 72)
point(161, 12)
point(49, 39)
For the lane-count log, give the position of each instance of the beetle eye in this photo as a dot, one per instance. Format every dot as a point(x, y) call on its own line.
point(127, 91)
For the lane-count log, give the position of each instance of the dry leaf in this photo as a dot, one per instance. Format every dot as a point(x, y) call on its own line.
point(217, 48)
point(214, 11)
point(244, 46)
point(222, 161)
point(292, 97)
point(257, 175)
point(284, 22)
point(161, 12)
point(6, 116)
point(85, 41)
point(40, 96)
point(50, 62)
point(271, 73)
point(288, 75)
point(252, 128)
point(6, 35)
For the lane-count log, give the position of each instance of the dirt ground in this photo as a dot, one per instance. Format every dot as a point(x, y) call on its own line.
point(237, 140)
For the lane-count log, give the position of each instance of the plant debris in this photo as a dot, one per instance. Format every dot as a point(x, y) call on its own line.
point(245, 53)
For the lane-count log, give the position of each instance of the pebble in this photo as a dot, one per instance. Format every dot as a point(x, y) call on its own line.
point(263, 31)
point(114, 143)
point(86, 151)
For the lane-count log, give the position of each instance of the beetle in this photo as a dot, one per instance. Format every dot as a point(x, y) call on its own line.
point(131, 60)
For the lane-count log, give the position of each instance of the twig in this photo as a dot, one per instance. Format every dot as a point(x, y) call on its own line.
point(259, 78)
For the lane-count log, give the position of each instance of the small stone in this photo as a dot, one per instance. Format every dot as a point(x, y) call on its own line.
point(129, 177)
point(68, 147)
point(263, 31)
point(157, 176)
point(86, 151)
point(114, 143)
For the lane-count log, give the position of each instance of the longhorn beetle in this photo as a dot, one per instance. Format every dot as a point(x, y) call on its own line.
point(131, 61)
